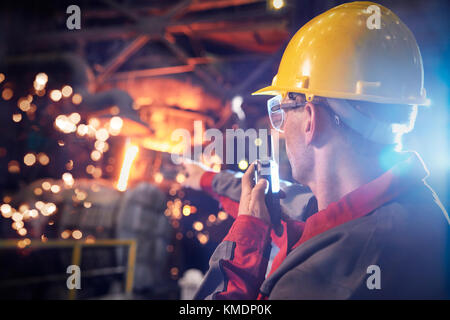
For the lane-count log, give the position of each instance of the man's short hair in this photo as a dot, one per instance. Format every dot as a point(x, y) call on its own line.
point(403, 116)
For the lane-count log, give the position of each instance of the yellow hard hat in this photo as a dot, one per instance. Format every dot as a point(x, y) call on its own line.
point(345, 54)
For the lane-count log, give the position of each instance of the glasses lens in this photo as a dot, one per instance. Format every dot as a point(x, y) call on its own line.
point(276, 114)
point(277, 119)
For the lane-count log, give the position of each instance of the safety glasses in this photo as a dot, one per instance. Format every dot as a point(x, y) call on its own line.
point(276, 108)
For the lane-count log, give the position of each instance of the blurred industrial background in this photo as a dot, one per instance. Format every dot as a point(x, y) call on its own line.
point(86, 118)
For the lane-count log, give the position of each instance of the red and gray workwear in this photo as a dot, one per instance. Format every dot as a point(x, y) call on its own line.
point(388, 239)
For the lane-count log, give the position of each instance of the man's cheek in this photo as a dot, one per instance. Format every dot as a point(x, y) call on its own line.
point(289, 150)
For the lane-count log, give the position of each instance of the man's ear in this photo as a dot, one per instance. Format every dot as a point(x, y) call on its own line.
point(310, 124)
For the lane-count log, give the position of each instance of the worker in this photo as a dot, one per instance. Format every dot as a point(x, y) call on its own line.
point(344, 94)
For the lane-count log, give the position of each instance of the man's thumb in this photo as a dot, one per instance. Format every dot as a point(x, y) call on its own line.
point(260, 189)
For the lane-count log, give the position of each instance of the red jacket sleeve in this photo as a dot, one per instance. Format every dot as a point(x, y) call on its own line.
point(229, 206)
point(238, 266)
point(232, 208)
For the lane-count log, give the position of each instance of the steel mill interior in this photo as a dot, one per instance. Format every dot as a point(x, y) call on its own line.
point(91, 125)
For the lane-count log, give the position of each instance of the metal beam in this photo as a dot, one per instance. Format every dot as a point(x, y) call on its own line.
point(253, 21)
point(208, 81)
point(189, 67)
point(153, 72)
point(219, 4)
point(206, 59)
point(177, 9)
point(194, 6)
point(113, 64)
point(223, 27)
point(127, 12)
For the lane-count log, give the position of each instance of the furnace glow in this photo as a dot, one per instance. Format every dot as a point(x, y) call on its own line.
point(130, 154)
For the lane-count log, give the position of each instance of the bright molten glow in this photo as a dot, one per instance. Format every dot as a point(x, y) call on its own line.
point(130, 154)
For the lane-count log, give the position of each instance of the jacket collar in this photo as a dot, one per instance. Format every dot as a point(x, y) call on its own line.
point(360, 202)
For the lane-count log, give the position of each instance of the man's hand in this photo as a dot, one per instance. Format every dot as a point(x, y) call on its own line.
point(193, 171)
point(253, 199)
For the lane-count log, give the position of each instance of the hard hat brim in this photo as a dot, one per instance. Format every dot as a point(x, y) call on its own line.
point(268, 91)
point(275, 90)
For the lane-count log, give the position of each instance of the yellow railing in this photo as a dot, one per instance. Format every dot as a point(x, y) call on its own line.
point(77, 246)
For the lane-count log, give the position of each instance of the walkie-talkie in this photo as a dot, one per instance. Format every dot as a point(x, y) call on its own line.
point(268, 169)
